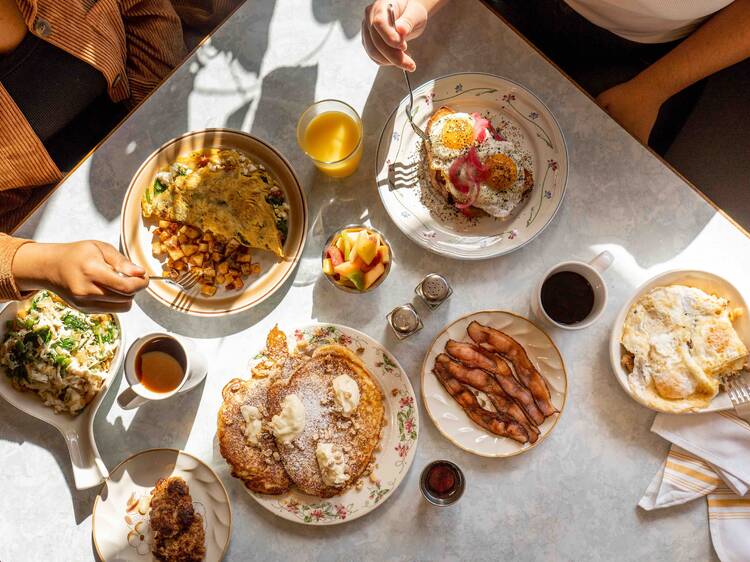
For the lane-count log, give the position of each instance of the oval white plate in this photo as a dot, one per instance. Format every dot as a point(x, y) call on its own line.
point(113, 527)
point(78, 431)
point(709, 282)
point(398, 443)
point(438, 228)
point(136, 237)
point(449, 417)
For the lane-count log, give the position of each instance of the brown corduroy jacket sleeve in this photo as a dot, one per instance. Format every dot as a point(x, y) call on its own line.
point(8, 248)
point(154, 43)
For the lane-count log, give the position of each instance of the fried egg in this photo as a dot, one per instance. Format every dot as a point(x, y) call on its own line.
point(450, 137)
point(505, 186)
point(683, 345)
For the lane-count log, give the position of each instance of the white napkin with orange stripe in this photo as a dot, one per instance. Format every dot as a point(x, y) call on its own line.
point(710, 456)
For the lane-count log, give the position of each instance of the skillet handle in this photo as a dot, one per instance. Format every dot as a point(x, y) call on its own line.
point(88, 467)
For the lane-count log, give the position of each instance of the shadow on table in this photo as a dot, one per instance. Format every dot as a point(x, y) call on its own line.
point(18, 427)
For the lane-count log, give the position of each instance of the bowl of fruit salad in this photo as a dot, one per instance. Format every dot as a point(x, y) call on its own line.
point(356, 259)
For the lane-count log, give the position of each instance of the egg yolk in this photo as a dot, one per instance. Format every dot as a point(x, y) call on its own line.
point(502, 171)
point(457, 134)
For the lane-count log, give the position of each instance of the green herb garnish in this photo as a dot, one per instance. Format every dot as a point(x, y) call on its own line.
point(158, 186)
point(72, 322)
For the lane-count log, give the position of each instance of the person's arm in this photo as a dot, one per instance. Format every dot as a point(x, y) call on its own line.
point(387, 44)
point(153, 36)
point(85, 274)
point(721, 41)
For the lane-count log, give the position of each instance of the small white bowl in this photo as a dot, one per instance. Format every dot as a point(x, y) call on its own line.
point(708, 282)
point(88, 468)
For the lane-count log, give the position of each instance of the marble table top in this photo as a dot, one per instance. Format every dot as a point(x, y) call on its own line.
point(574, 497)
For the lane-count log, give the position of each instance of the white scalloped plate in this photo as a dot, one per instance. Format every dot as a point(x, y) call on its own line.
point(125, 536)
point(397, 445)
point(434, 225)
point(708, 282)
point(448, 416)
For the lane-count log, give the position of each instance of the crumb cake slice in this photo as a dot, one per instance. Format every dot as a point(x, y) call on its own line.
point(178, 531)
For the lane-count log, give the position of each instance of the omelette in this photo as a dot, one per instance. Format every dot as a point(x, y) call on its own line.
point(221, 191)
point(680, 345)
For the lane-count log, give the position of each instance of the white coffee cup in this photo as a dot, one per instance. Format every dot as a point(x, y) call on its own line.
point(137, 394)
point(592, 272)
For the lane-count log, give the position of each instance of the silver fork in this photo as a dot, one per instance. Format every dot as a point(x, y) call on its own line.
point(185, 280)
point(738, 388)
point(420, 132)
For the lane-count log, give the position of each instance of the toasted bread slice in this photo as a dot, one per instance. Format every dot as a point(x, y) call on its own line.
point(437, 177)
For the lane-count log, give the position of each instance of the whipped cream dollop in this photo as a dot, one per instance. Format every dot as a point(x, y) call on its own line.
point(346, 394)
point(332, 464)
point(253, 423)
point(287, 425)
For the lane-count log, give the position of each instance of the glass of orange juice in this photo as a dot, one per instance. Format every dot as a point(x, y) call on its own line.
point(330, 133)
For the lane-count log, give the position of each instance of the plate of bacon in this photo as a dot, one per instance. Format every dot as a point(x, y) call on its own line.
point(492, 175)
point(494, 383)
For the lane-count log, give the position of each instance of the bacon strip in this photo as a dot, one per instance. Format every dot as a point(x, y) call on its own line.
point(494, 422)
point(481, 380)
point(496, 341)
point(476, 358)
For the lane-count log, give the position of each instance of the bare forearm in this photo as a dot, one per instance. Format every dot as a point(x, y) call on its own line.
point(720, 42)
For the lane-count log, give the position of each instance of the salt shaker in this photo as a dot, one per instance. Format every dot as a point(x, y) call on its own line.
point(434, 290)
point(404, 320)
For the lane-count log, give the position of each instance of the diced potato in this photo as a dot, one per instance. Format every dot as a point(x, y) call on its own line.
point(203, 247)
point(175, 253)
point(172, 242)
point(189, 249)
point(164, 235)
point(256, 269)
point(216, 256)
point(182, 239)
point(196, 259)
point(156, 248)
point(244, 258)
point(209, 272)
point(208, 290)
point(193, 233)
point(238, 283)
point(223, 267)
point(232, 245)
point(220, 279)
point(246, 268)
point(180, 265)
point(164, 224)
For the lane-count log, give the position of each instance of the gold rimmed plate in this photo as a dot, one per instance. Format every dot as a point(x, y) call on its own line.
point(120, 525)
point(449, 417)
point(136, 237)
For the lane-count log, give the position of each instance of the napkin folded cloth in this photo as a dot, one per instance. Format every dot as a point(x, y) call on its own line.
point(710, 456)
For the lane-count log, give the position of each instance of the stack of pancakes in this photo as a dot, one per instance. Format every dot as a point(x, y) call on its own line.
point(272, 467)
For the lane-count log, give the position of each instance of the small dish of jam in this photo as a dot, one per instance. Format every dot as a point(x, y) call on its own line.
point(442, 483)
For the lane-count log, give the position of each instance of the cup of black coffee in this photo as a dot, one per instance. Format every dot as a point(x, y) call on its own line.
point(572, 294)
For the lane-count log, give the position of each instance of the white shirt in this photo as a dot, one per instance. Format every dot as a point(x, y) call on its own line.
point(648, 21)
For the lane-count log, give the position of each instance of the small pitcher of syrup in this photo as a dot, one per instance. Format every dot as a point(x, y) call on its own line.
point(442, 483)
point(158, 366)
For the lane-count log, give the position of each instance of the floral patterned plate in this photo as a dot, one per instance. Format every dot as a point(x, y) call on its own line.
point(448, 416)
point(425, 217)
point(397, 445)
point(120, 523)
